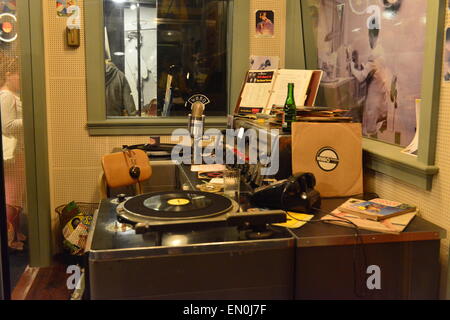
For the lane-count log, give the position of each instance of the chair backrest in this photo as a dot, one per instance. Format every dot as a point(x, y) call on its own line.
point(122, 169)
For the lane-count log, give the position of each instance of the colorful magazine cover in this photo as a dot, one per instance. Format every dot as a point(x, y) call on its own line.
point(374, 208)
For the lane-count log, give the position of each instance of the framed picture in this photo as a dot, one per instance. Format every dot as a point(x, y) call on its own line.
point(264, 63)
point(64, 7)
point(265, 24)
point(8, 6)
point(379, 57)
point(446, 72)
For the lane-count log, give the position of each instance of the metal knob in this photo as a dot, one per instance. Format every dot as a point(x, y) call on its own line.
point(121, 197)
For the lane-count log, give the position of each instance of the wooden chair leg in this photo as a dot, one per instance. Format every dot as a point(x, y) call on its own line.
point(138, 188)
point(102, 186)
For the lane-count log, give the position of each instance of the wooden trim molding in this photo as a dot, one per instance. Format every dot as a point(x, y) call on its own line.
point(25, 283)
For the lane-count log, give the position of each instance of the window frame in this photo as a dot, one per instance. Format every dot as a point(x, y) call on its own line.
point(386, 158)
point(98, 124)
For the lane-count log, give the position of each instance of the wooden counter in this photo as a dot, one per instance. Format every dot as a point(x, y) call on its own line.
point(332, 262)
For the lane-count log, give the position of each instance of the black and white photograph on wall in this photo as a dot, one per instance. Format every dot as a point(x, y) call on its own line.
point(265, 23)
point(264, 63)
point(372, 55)
point(447, 56)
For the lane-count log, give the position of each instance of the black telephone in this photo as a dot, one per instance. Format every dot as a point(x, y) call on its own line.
point(296, 193)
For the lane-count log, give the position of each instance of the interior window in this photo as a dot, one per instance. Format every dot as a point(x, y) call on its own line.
point(372, 54)
point(158, 53)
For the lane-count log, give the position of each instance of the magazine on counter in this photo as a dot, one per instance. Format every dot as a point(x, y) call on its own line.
point(376, 209)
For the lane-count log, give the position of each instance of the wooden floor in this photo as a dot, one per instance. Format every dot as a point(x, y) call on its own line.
point(43, 284)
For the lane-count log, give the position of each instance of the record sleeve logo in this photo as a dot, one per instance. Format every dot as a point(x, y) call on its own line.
point(327, 159)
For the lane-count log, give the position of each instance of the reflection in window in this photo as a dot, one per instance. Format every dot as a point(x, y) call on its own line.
point(372, 54)
point(11, 111)
point(160, 52)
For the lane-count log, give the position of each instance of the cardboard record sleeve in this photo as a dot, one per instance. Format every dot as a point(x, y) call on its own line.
point(333, 153)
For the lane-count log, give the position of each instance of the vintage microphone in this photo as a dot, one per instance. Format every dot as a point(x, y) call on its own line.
point(196, 123)
point(197, 119)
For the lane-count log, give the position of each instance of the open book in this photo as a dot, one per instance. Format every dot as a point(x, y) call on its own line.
point(265, 88)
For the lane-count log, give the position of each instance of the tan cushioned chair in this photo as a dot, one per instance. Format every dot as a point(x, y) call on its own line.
point(116, 170)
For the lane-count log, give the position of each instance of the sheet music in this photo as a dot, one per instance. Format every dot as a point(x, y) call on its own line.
point(257, 88)
point(300, 79)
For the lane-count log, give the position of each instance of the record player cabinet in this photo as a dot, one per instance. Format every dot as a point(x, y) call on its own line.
point(217, 263)
point(332, 264)
point(318, 261)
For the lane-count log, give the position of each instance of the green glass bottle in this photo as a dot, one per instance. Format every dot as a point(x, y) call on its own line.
point(290, 109)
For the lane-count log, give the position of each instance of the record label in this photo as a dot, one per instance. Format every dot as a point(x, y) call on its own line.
point(327, 159)
point(178, 202)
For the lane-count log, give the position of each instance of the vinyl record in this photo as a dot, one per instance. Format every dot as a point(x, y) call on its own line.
point(210, 175)
point(177, 205)
point(8, 27)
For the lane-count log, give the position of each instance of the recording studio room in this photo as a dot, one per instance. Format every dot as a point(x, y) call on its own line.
point(224, 150)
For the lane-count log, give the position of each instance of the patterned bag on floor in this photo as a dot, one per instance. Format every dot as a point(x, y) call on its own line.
point(76, 232)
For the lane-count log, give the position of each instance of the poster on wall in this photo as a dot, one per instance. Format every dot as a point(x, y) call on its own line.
point(8, 6)
point(265, 24)
point(372, 55)
point(63, 5)
point(447, 56)
point(71, 10)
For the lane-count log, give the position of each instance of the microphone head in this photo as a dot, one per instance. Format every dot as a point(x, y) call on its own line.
point(197, 109)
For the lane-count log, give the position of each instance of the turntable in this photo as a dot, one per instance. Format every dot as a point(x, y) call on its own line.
point(181, 210)
point(188, 245)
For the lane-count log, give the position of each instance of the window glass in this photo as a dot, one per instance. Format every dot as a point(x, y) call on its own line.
point(158, 53)
point(13, 143)
point(372, 53)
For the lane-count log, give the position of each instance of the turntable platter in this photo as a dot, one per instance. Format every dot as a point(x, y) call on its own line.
point(173, 203)
point(178, 205)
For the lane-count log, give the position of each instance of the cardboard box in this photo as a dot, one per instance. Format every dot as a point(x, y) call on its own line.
point(333, 153)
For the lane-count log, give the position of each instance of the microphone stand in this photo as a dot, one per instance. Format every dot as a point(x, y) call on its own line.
point(169, 92)
point(196, 125)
